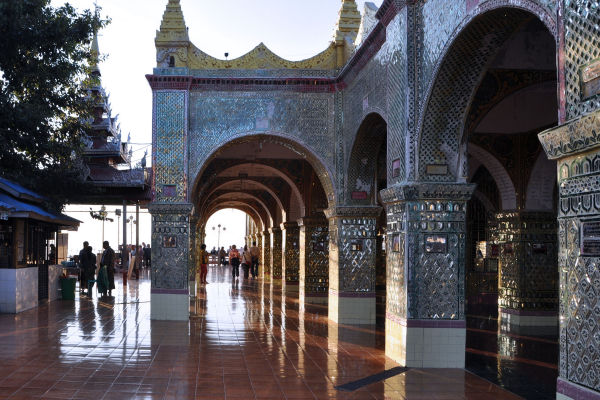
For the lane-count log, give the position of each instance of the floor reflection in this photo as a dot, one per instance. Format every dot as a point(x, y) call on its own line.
point(524, 364)
point(244, 340)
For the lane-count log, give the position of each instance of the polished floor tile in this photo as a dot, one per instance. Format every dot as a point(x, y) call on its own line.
point(244, 340)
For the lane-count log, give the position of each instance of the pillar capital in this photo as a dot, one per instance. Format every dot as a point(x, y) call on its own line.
point(274, 230)
point(314, 220)
point(349, 212)
point(288, 225)
point(427, 191)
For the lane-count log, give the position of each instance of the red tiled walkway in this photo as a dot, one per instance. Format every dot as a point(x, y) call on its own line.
point(244, 341)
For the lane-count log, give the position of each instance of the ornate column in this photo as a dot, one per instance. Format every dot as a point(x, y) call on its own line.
point(314, 259)
point(575, 147)
point(525, 246)
point(425, 274)
point(265, 265)
point(352, 252)
point(290, 263)
point(170, 208)
point(275, 253)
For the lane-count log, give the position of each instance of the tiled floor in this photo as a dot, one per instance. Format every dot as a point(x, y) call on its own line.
point(244, 341)
point(524, 364)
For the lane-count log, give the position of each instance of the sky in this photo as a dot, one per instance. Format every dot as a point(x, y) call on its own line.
point(293, 29)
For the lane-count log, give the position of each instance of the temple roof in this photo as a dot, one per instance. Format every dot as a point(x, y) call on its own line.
point(174, 49)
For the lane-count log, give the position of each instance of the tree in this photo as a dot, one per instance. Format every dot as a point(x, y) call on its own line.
point(45, 56)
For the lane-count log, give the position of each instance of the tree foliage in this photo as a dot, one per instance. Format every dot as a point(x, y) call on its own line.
point(45, 55)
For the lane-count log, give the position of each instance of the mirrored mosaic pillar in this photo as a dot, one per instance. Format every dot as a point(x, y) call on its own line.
point(524, 244)
point(265, 267)
point(425, 323)
point(575, 148)
point(314, 260)
point(170, 261)
point(290, 261)
point(275, 235)
point(170, 208)
point(352, 253)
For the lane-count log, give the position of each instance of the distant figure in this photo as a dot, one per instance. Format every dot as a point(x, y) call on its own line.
point(203, 258)
point(52, 255)
point(147, 255)
point(222, 255)
point(139, 255)
point(246, 261)
point(108, 261)
point(83, 278)
point(254, 253)
point(234, 260)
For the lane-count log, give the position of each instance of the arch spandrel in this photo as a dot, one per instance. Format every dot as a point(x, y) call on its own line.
point(455, 75)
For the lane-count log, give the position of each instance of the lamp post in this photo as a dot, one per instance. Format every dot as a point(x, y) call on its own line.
point(132, 220)
point(118, 214)
point(219, 235)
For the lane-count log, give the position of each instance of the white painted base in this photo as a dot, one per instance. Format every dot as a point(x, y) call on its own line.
point(18, 289)
point(426, 347)
point(560, 396)
point(351, 310)
point(169, 307)
point(315, 300)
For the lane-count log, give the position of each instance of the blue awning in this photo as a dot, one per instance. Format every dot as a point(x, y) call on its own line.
point(20, 209)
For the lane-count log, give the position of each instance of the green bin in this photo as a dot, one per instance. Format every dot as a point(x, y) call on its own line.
point(67, 287)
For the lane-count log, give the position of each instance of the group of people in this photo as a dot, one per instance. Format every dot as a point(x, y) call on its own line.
point(140, 254)
point(248, 259)
point(103, 274)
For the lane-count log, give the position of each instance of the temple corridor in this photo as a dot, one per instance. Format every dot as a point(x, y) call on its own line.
point(244, 340)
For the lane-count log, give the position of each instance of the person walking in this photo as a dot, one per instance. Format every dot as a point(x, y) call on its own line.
point(87, 260)
point(108, 261)
point(254, 254)
point(246, 261)
point(222, 255)
point(234, 260)
point(82, 275)
point(203, 257)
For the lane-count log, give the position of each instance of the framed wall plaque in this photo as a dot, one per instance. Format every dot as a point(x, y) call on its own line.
point(356, 246)
point(436, 244)
point(169, 241)
point(590, 238)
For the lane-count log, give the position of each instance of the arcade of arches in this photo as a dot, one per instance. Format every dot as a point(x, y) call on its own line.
point(406, 176)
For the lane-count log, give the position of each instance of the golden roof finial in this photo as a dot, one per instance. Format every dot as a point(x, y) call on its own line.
point(172, 27)
point(348, 22)
point(95, 52)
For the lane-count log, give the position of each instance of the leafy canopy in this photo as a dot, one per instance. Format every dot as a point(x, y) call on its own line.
point(45, 57)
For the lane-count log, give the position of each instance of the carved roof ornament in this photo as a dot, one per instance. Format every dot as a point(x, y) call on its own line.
point(95, 69)
point(173, 48)
point(172, 28)
point(348, 22)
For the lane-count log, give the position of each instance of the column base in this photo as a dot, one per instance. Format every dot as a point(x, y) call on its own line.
point(352, 308)
point(566, 390)
point(425, 343)
point(528, 322)
point(315, 298)
point(169, 305)
point(292, 287)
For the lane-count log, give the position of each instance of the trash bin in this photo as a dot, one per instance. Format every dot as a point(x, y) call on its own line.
point(67, 288)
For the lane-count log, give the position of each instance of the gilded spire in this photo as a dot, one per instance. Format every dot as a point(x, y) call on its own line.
point(95, 51)
point(348, 22)
point(172, 27)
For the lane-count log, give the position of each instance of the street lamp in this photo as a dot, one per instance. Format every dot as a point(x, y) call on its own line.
point(118, 214)
point(101, 215)
point(219, 235)
point(133, 221)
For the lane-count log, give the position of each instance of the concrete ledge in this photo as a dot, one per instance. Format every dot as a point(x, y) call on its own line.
point(566, 390)
point(169, 306)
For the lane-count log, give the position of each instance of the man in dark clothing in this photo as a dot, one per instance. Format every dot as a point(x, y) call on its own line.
point(147, 256)
point(82, 261)
point(108, 260)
